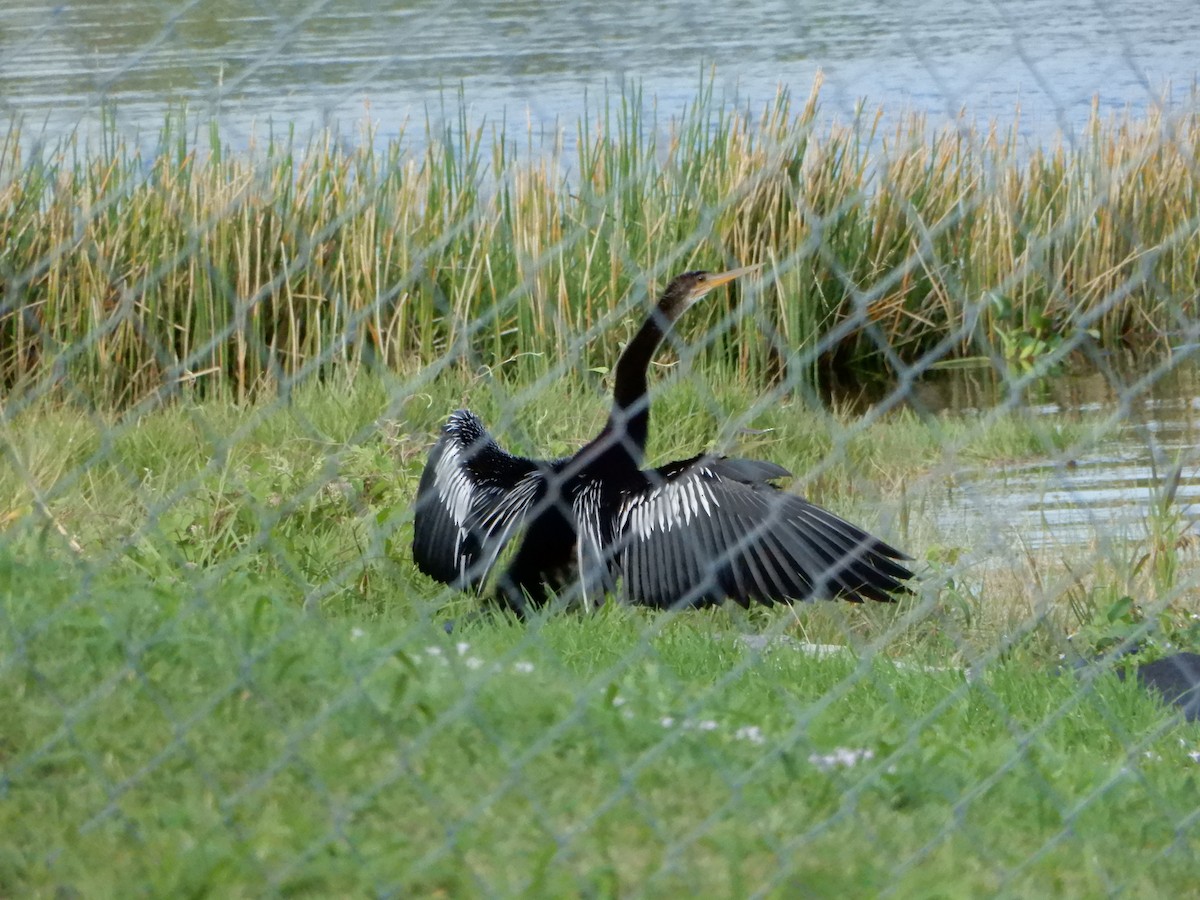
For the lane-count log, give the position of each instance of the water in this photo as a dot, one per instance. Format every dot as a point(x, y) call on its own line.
point(339, 62)
point(1100, 496)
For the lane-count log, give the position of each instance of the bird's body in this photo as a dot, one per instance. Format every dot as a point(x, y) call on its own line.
point(690, 533)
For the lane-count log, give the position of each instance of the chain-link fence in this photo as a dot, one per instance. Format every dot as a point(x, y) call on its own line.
point(277, 618)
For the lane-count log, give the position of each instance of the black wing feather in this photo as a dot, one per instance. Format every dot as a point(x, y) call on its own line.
point(708, 528)
point(471, 499)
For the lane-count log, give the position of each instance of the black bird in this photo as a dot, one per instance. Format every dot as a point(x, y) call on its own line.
point(690, 533)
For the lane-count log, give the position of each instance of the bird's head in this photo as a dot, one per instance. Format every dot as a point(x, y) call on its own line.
point(686, 289)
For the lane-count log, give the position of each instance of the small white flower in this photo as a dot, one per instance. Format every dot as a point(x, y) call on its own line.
point(356, 633)
point(706, 725)
point(474, 662)
point(523, 666)
point(1151, 755)
point(434, 651)
point(667, 721)
point(841, 757)
point(462, 647)
point(1194, 756)
point(618, 700)
point(751, 733)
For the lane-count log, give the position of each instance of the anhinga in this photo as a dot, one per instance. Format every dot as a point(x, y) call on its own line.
point(690, 533)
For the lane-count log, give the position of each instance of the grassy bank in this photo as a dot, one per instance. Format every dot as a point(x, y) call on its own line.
point(225, 271)
point(184, 740)
point(316, 492)
point(220, 673)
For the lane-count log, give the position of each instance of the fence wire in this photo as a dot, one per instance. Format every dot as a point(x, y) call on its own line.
point(277, 618)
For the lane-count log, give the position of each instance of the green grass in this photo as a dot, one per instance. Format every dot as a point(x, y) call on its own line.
point(317, 490)
point(201, 269)
point(220, 673)
point(213, 738)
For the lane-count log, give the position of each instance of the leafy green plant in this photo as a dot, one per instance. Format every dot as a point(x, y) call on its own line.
point(1025, 340)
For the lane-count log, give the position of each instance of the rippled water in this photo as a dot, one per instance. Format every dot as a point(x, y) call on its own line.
point(1105, 492)
point(333, 62)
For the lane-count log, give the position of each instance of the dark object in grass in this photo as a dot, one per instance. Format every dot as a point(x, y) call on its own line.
point(1176, 678)
point(690, 533)
point(451, 625)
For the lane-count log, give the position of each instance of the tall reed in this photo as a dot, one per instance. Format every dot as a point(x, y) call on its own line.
point(202, 268)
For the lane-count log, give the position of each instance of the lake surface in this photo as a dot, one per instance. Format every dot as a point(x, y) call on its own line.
point(1098, 495)
point(311, 63)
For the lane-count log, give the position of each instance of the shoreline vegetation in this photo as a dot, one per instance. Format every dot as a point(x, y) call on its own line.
point(221, 673)
point(131, 277)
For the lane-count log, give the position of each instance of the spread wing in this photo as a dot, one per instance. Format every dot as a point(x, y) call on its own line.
point(471, 499)
point(710, 528)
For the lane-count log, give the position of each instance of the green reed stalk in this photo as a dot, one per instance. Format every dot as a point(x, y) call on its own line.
point(129, 275)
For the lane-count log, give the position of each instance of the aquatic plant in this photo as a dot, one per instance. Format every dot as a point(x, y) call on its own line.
point(196, 267)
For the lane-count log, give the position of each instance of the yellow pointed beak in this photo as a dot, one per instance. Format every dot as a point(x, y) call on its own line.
point(719, 278)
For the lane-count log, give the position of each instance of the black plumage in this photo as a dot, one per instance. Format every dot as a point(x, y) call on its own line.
point(690, 533)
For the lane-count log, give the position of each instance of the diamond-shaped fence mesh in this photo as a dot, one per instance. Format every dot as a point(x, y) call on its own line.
point(869, 567)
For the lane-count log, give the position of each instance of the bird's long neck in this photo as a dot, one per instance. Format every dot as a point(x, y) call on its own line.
point(628, 426)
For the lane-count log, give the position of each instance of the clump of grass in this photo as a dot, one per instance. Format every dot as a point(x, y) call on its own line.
point(128, 275)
